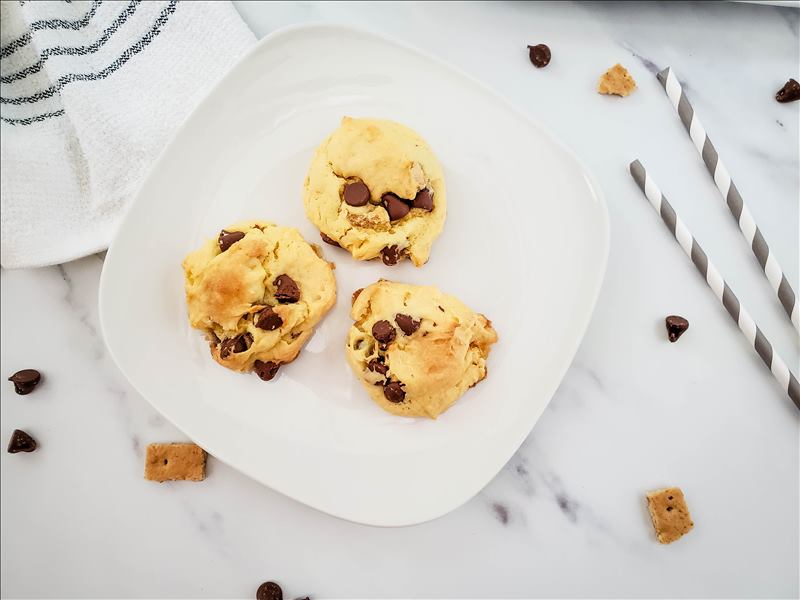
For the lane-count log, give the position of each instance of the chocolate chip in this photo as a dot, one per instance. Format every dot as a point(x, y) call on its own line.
point(395, 206)
point(789, 92)
point(424, 199)
point(356, 193)
point(269, 590)
point(238, 344)
point(390, 255)
point(329, 240)
point(675, 327)
point(268, 319)
point(383, 332)
point(539, 55)
point(21, 442)
point(406, 323)
point(394, 392)
point(228, 239)
point(266, 370)
point(24, 381)
point(287, 291)
point(355, 295)
point(377, 366)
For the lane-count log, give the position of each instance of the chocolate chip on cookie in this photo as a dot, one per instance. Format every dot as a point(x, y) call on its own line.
point(329, 240)
point(395, 206)
point(383, 332)
point(356, 193)
point(675, 327)
point(269, 590)
point(237, 344)
point(377, 366)
point(406, 323)
point(287, 291)
point(24, 381)
point(394, 392)
point(424, 199)
point(268, 319)
point(266, 370)
point(390, 255)
point(228, 239)
point(21, 442)
point(789, 92)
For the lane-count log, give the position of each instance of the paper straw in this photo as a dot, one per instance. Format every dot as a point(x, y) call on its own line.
point(722, 290)
point(731, 195)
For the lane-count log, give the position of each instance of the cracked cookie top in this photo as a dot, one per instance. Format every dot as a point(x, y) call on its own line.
point(257, 290)
point(415, 349)
point(376, 189)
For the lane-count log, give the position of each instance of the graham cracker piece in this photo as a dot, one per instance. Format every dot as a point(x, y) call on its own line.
point(616, 81)
point(171, 462)
point(670, 514)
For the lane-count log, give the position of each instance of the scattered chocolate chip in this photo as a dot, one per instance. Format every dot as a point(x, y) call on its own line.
point(266, 370)
point(303, 598)
point(377, 366)
point(238, 344)
point(356, 193)
point(394, 392)
point(329, 240)
point(675, 327)
point(21, 442)
point(406, 323)
point(395, 206)
point(287, 291)
point(24, 381)
point(424, 199)
point(355, 295)
point(539, 55)
point(383, 332)
point(228, 239)
point(789, 92)
point(390, 255)
point(269, 590)
point(268, 319)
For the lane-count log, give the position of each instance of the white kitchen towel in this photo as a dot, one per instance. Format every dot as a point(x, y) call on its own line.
point(90, 92)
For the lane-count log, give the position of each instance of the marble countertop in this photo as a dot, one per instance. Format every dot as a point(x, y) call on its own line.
point(566, 516)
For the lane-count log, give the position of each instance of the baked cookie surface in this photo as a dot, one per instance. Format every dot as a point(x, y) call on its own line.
point(415, 349)
point(257, 291)
point(376, 189)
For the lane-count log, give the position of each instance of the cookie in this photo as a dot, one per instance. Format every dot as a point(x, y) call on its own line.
point(172, 462)
point(616, 81)
point(257, 290)
point(670, 514)
point(415, 349)
point(376, 189)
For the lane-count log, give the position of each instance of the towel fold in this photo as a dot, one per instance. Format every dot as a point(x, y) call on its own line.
point(90, 93)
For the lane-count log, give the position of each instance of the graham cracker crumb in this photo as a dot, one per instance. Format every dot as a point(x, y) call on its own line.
point(172, 462)
point(616, 81)
point(670, 514)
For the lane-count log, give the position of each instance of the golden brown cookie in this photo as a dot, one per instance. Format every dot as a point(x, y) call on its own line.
point(415, 349)
point(171, 462)
point(616, 81)
point(670, 514)
point(257, 290)
point(376, 189)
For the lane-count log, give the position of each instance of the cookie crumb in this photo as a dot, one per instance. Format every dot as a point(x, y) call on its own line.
point(175, 462)
point(671, 518)
point(616, 81)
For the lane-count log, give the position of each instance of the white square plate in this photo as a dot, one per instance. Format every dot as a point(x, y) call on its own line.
point(525, 242)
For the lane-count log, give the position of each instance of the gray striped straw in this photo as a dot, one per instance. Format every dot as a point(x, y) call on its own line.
point(731, 195)
point(735, 309)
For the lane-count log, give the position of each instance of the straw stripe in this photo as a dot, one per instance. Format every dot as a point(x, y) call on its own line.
point(731, 195)
point(714, 279)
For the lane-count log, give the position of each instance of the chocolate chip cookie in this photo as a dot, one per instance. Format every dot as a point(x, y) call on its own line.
point(257, 290)
point(415, 349)
point(376, 189)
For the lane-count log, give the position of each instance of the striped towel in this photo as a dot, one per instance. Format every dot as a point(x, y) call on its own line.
point(90, 92)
